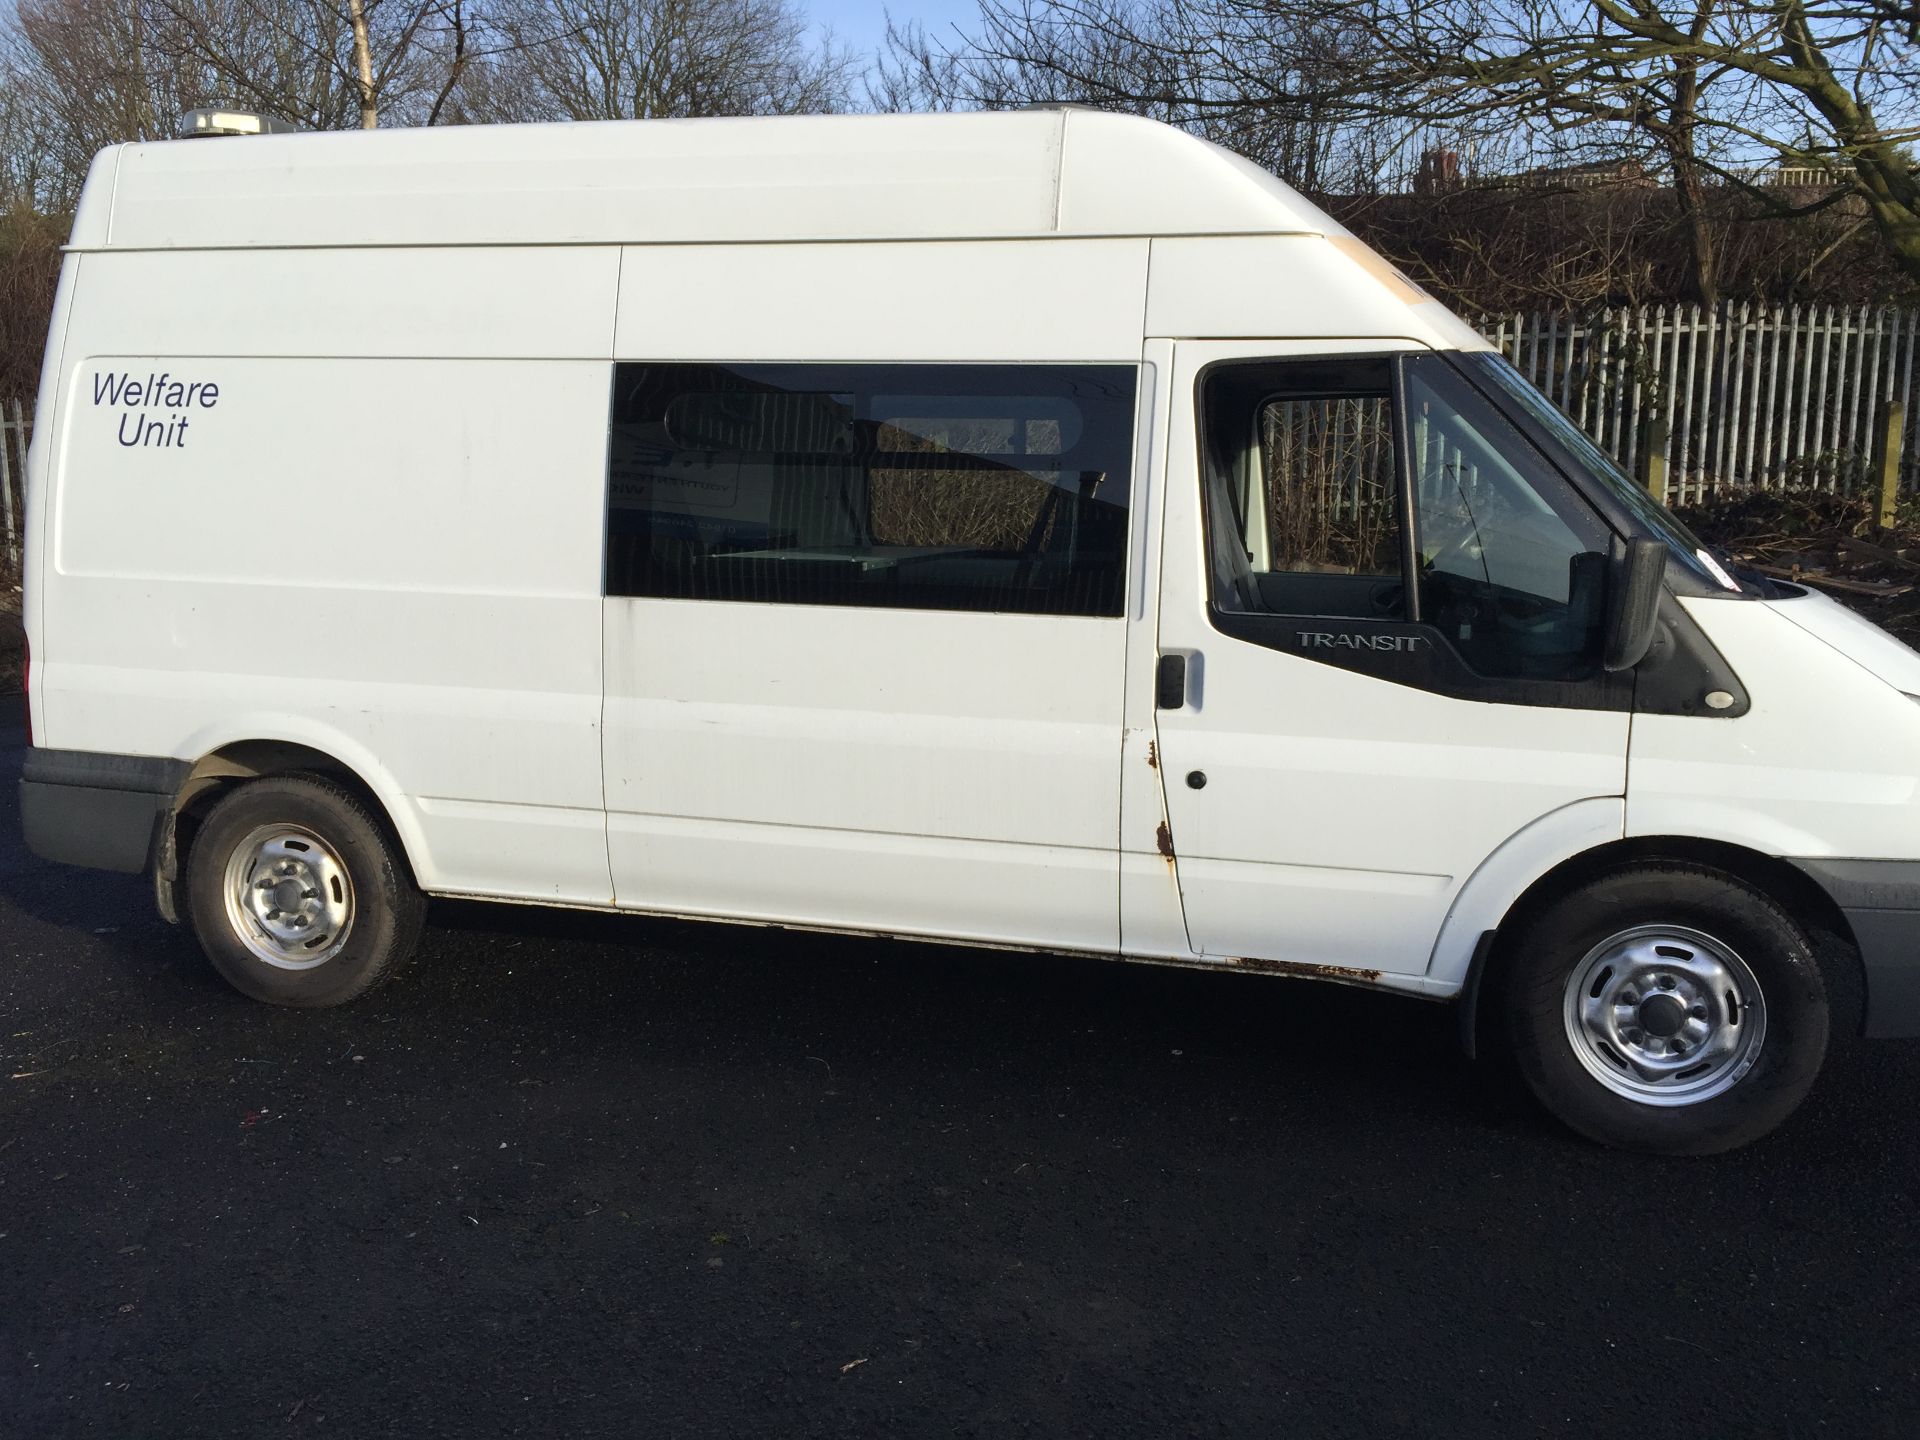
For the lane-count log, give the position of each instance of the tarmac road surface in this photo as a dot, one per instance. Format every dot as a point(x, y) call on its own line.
point(583, 1176)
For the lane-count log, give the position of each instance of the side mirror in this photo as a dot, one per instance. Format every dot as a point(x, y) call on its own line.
point(1636, 575)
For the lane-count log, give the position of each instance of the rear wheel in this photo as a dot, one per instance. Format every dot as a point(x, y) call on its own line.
point(298, 895)
point(1670, 1009)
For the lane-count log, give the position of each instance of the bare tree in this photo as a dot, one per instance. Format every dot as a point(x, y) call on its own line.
point(77, 75)
point(1718, 90)
point(84, 73)
point(642, 59)
point(322, 64)
point(1160, 58)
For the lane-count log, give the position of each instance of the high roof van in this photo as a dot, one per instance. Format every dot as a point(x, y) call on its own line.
point(1039, 530)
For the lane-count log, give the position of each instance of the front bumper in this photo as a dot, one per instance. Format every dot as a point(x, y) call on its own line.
point(1881, 901)
point(102, 811)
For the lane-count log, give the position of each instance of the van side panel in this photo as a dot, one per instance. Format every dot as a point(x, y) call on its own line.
point(282, 530)
point(984, 301)
point(1294, 286)
point(463, 303)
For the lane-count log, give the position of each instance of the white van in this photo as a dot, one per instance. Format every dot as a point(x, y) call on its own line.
point(1038, 530)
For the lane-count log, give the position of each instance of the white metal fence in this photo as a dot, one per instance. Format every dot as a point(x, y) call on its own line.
point(1770, 396)
point(16, 428)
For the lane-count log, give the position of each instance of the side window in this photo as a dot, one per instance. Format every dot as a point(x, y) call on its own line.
point(1308, 464)
point(934, 487)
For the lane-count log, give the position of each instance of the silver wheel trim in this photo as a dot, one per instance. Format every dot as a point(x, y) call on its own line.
point(1626, 993)
point(289, 897)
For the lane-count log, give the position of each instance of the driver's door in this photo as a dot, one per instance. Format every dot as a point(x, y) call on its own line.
point(1388, 607)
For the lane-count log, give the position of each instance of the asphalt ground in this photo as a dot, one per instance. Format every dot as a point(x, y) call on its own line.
point(574, 1175)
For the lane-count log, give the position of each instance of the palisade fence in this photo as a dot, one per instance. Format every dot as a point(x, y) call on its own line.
point(16, 428)
point(1752, 396)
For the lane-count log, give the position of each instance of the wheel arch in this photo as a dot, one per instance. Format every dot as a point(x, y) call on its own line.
point(1787, 884)
point(1835, 947)
point(236, 761)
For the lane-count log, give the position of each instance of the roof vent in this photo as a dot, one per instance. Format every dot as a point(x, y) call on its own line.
point(196, 123)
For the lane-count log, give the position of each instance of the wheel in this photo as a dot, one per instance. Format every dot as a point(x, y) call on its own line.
point(298, 895)
point(1669, 1009)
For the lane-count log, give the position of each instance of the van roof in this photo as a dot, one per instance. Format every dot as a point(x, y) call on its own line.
point(1031, 173)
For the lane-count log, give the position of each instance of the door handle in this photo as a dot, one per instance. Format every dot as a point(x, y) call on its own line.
point(1170, 682)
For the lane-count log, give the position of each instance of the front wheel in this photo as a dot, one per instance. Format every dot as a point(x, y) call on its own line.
point(298, 895)
point(1670, 1009)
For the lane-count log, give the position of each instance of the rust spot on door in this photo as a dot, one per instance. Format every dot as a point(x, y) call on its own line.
point(1153, 756)
point(1163, 837)
point(1307, 972)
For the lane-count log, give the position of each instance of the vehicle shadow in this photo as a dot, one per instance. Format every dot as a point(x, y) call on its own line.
point(741, 987)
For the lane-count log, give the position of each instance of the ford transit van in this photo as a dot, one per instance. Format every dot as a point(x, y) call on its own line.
point(1039, 530)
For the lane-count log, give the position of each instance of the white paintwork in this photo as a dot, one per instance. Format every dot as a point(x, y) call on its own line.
point(1482, 902)
point(38, 486)
point(1293, 286)
point(443, 303)
point(950, 301)
point(1151, 920)
point(287, 607)
point(92, 214)
point(1826, 763)
point(384, 542)
point(1341, 813)
point(1854, 636)
point(830, 177)
point(900, 771)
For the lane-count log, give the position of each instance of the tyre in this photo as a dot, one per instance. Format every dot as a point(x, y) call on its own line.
point(298, 894)
point(1669, 1009)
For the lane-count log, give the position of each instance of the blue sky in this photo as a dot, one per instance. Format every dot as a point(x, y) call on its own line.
point(863, 23)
